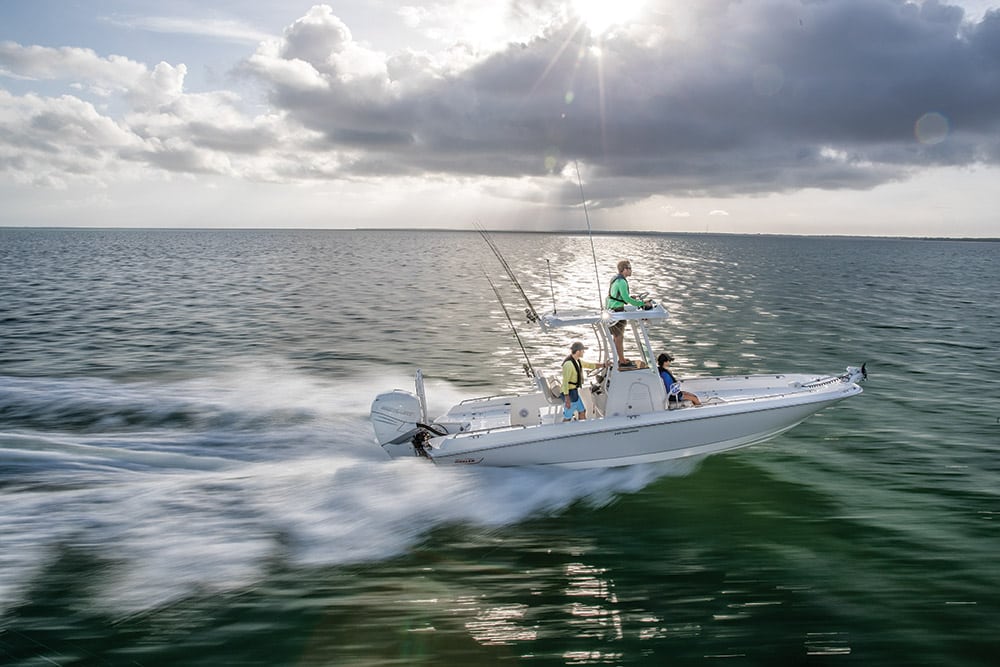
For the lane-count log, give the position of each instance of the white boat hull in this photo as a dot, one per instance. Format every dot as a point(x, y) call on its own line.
point(739, 411)
point(620, 441)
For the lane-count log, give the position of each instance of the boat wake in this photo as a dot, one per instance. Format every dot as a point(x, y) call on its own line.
point(196, 485)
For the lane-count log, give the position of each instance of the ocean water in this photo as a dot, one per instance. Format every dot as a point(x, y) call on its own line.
point(188, 475)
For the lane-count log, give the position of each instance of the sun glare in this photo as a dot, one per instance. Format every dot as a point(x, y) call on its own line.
point(600, 15)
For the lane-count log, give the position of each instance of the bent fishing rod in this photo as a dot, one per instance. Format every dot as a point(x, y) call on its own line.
point(528, 368)
point(530, 311)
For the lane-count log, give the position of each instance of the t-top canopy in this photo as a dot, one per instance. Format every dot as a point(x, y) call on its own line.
point(607, 317)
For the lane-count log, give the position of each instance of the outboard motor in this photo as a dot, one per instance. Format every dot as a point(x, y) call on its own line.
point(395, 415)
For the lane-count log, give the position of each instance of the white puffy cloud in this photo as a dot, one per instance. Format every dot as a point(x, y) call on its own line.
point(47, 141)
point(316, 72)
point(100, 75)
point(153, 126)
point(68, 62)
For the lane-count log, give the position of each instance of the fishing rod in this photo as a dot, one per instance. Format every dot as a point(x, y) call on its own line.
point(590, 233)
point(530, 311)
point(528, 369)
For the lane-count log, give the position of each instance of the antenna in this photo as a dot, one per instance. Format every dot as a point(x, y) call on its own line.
point(590, 233)
point(551, 288)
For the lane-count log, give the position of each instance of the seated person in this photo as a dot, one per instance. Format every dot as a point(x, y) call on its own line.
point(674, 393)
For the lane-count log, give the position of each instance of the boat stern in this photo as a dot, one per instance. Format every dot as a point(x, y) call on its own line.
point(394, 416)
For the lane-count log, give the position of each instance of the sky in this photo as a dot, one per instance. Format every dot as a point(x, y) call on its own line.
point(853, 117)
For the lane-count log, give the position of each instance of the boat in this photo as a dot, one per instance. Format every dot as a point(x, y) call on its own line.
point(630, 419)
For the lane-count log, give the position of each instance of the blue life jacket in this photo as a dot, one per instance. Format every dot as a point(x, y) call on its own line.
point(670, 382)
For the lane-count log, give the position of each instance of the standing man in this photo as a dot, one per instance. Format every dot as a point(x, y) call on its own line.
point(572, 380)
point(618, 296)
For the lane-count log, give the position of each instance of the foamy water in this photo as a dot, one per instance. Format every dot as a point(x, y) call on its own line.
point(194, 485)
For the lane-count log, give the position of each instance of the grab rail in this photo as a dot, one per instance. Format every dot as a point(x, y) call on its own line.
point(486, 431)
point(486, 398)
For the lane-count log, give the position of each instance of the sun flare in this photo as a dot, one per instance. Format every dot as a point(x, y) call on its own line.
point(600, 15)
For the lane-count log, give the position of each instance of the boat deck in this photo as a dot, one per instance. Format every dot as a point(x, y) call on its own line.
point(534, 409)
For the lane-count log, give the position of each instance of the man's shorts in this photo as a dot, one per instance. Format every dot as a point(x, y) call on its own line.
point(575, 404)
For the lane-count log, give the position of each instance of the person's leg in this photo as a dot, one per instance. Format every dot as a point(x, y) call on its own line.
point(620, 346)
point(618, 336)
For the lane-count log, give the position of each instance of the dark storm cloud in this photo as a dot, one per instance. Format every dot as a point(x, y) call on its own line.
point(746, 98)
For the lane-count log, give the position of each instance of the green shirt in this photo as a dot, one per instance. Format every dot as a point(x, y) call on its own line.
point(618, 295)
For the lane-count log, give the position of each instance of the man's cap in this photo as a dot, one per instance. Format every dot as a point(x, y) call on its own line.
point(577, 346)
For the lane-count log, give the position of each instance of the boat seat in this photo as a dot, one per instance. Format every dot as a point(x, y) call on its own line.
point(554, 393)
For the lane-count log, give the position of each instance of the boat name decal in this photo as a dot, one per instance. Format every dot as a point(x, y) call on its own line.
point(626, 431)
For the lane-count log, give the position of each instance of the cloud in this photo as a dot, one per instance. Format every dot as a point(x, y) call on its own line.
point(228, 30)
point(52, 141)
point(482, 27)
point(714, 98)
point(39, 62)
point(320, 77)
point(755, 97)
point(101, 76)
point(49, 141)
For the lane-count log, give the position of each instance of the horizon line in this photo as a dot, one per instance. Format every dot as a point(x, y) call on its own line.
point(584, 232)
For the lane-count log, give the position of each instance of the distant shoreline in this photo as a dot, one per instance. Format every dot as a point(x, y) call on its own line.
point(577, 232)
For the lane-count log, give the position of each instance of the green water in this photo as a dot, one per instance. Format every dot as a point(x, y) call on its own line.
point(188, 475)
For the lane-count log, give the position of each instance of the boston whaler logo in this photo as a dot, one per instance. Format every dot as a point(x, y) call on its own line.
point(469, 461)
point(626, 431)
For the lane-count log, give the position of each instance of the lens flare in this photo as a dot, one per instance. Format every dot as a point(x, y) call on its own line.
point(931, 128)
